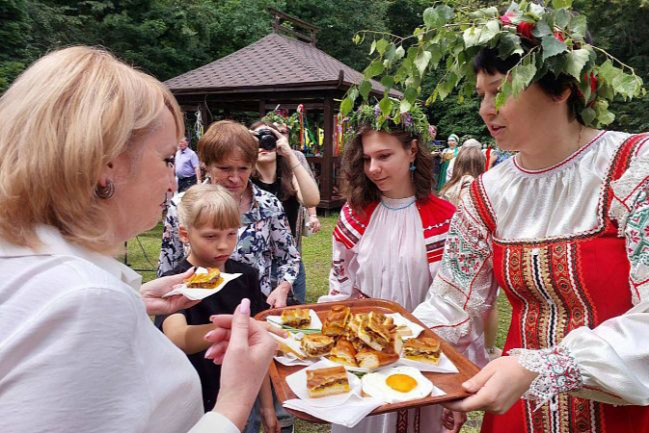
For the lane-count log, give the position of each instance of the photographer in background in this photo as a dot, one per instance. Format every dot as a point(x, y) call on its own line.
point(281, 171)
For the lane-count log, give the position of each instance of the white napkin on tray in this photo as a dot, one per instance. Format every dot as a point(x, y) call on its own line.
point(344, 409)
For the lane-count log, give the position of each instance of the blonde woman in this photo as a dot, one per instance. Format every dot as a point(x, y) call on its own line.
point(87, 148)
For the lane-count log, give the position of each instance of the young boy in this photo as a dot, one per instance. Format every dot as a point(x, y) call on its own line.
point(208, 223)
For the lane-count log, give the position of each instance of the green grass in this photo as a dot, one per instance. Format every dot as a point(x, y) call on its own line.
point(142, 255)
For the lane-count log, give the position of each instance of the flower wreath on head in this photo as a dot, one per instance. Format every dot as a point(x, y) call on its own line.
point(281, 117)
point(413, 121)
point(547, 40)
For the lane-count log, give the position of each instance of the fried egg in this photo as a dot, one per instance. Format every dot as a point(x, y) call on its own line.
point(397, 384)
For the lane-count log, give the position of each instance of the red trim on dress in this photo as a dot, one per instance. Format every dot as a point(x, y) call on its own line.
point(565, 161)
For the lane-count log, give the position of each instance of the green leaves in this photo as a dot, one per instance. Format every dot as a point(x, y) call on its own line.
point(627, 85)
point(421, 61)
point(471, 36)
point(522, 76)
point(437, 16)
point(575, 62)
point(381, 46)
point(385, 105)
point(346, 106)
point(364, 89)
point(552, 46)
point(561, 4)
point(374, 69)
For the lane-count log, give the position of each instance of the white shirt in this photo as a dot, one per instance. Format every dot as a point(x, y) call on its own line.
point(78, 352)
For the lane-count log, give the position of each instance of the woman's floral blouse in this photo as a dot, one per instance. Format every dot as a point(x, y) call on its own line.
point(265, 240)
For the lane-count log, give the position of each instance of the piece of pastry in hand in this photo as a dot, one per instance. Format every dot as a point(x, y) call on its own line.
point(296, 318)
point(316, 345)
point(327, 381)
point(423, 349)
point(373, 333)
point(207, 280)
point(344, 353)
point(336, 322)
point(372, 359)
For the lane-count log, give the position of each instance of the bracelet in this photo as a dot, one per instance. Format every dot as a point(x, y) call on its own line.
point(296, 165)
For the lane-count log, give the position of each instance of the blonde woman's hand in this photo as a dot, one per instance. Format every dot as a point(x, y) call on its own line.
point(245, 364)
point(153, 291)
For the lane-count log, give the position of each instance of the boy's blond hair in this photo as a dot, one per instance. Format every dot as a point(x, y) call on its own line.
point(208, 205)
point(66, 117)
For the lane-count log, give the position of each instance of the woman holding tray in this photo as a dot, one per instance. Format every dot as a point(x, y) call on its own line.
point(389, 239)
point(563, 228)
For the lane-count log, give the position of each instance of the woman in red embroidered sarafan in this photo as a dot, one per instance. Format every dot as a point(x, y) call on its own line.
point(389, 239)
point(563, 228)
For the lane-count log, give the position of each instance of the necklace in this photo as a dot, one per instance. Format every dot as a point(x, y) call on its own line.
point(400, 207)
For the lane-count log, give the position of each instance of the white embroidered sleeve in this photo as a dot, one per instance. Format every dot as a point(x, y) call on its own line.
point(464, 288)
point(557, 369)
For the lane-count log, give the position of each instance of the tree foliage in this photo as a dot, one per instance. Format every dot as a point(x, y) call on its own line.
point(169, 37)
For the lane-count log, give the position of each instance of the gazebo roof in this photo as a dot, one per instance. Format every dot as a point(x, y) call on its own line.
point(273, 63)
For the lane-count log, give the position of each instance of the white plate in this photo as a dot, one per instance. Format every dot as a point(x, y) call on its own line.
point(399, 320)
point(445, 365)
point(297, 383)
point(198, 294)
point(315, 320)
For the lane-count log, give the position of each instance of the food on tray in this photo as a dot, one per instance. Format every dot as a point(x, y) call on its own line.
point(296, 317)
point(423, 349)
point(327, 381)
point(316, 345)
point(336, 322)
point(372, 331)
point(205, 280)
point(373, 359)
point(344, 353)
point(404, 331)
point(397, 384)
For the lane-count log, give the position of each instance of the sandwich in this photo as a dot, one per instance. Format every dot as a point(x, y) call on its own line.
point(327, 381)
point(343, 352)
point(316, 345)
point(404, 331)
point(423, 349)
point(206, 280)
point(336, 322)
point(296, 318)
point(372, 359)
point(373, 332)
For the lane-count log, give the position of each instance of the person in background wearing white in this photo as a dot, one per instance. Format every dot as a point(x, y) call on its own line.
point(79, 352)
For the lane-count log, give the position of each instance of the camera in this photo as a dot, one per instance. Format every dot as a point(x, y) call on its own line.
point(267, 139)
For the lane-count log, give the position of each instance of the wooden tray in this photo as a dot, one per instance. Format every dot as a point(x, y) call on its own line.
point(450, 383)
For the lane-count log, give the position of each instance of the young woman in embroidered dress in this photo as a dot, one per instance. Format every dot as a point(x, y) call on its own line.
point(389, 238)
point(563, 228)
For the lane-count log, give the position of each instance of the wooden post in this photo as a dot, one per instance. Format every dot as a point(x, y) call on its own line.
point(327, 163)
point(262, 108)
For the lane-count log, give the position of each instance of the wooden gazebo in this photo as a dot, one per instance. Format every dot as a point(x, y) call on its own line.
point(280, 69)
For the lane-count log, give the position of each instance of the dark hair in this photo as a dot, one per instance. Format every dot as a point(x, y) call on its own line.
point(487, 60)
point(225, 137)
point(361, 191)
point(283, 171)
